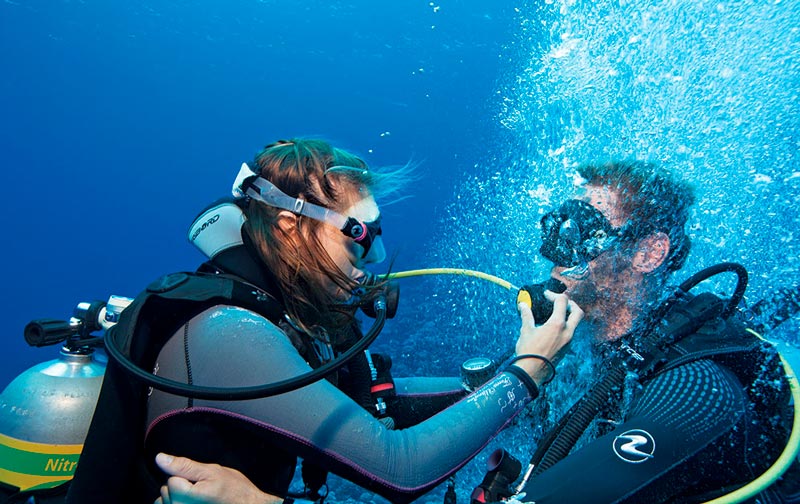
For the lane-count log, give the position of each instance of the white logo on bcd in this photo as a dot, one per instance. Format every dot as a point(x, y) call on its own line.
point(634, 446)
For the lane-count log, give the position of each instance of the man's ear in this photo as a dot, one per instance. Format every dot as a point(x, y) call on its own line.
point(287, 221)
point(652, 251)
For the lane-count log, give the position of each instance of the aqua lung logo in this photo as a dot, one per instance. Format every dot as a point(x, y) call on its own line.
point(634, 446)
point(205, 225)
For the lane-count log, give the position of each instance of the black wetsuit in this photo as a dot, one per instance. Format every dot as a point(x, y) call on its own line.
point(691, 433)
point(228, 346)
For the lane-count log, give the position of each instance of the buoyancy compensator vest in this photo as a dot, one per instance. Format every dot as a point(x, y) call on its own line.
point(110, 467)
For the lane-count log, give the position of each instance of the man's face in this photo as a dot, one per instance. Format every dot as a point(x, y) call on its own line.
point(609, 278)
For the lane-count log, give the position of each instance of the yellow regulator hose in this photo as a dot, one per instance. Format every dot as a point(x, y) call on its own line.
point(453, 271)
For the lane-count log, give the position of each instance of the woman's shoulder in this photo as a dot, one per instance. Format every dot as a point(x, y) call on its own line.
point(233, 323)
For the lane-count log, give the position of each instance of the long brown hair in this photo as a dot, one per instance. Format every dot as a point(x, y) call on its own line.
point(297, 258)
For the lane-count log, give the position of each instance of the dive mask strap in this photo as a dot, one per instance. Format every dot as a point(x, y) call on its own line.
point(266, 192)
point(250, 184)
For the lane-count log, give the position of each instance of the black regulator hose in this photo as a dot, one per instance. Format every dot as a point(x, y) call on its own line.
point(572, 426)
point(705, 274)
point(254, 392)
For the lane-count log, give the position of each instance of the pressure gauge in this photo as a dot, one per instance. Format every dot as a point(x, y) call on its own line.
point(477, 371)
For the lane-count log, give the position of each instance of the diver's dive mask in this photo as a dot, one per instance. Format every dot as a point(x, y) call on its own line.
point(366, 234)
point(575, 234)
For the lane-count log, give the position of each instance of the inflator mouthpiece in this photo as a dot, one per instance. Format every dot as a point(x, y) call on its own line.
point(503, 469)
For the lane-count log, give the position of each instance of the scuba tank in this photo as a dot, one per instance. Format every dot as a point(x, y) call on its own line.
point(45, 411)
point(44, 416)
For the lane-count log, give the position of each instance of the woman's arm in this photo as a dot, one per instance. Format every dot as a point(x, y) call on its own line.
point(228, 346)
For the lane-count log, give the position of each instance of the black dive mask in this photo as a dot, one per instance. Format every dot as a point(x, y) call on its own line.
point(576, 233)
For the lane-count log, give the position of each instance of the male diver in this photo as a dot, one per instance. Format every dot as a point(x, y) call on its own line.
point(687, 405)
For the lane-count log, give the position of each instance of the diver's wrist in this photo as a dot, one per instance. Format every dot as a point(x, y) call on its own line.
point(538, 367)
point(525, 378)
point(536, 370)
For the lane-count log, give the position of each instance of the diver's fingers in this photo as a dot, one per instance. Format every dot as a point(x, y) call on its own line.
point(185, 468)
point(526, 315)
point(575, 315)
point(164, 499)
point(552, 296)
point(178, 487)
point(560, 303)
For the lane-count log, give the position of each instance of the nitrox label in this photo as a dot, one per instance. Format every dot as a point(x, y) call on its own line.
point(32, 466)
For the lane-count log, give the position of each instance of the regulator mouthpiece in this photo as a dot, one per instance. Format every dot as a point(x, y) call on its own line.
point(391, 295)
point(533, 296)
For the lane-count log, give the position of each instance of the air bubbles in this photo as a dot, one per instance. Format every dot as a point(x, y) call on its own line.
point(542, 197)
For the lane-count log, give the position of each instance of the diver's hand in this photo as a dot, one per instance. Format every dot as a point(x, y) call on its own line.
point(196, 483)
point(548, 338)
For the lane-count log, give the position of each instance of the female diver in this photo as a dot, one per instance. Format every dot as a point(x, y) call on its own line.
point(294, 198)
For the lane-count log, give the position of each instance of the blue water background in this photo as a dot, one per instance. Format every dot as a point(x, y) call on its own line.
point(120, 120)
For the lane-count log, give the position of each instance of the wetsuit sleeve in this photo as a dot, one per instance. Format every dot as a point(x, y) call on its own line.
point(674, 423)
point(227, 346)
point(419, 398)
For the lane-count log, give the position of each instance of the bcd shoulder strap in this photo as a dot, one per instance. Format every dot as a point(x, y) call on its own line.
point(725, 341)
point(166, 304)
